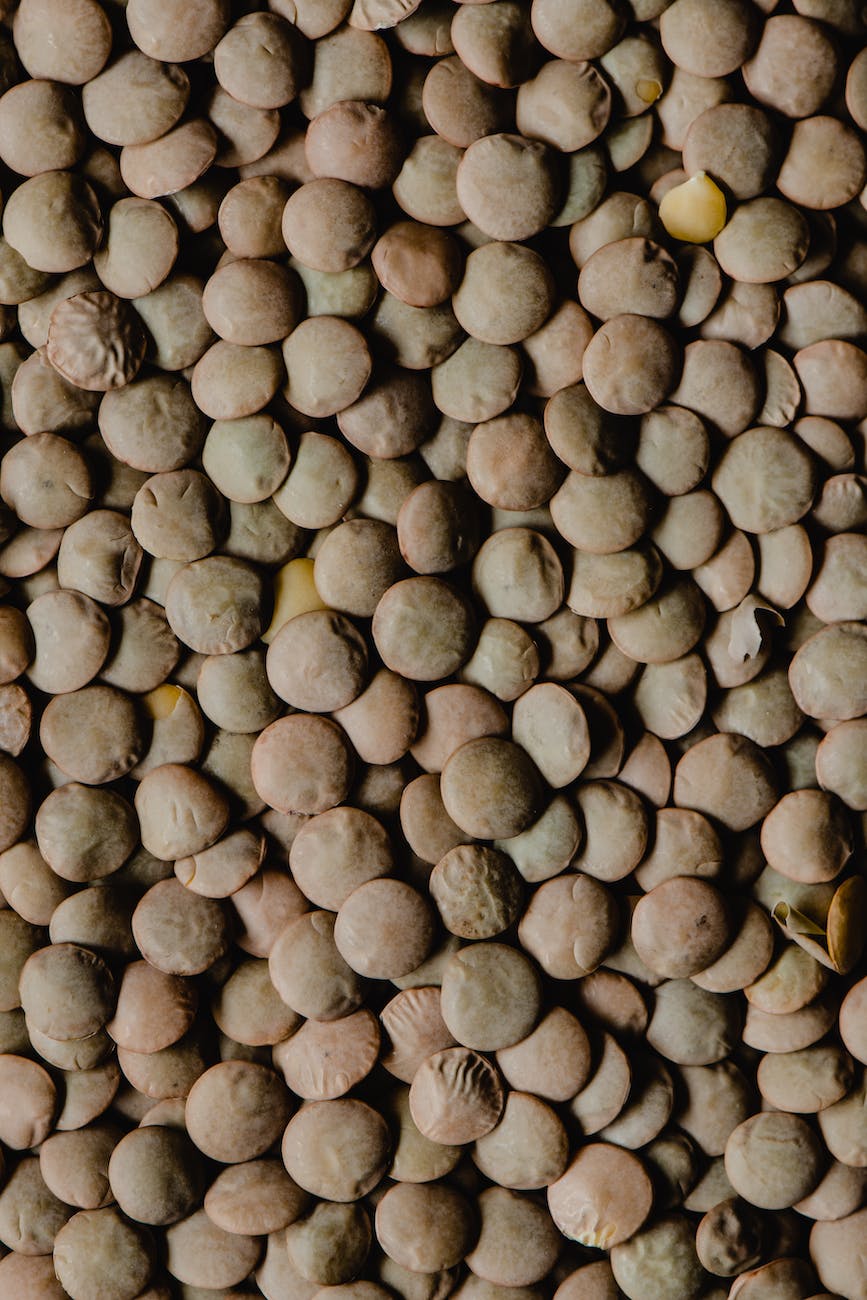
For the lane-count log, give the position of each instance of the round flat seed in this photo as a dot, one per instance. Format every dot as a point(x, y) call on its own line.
point(252, 301)
point(232, 380)
point(497, 165)
point(604, 514)
point(567, 105)
point(553, 1061)
point(335, 852)
point(68, 43)
point(155, 28)
point(720, 384)
point(337, 1150)
point(603, 1197)
point(422, 628)
point(806, 1081)
point(254, 1198)
point(490, 788)
point(828, 145)
point(831, 374)
point(29, 1103)
point(155, 1175)
point(260, 61)
point(826, 671)
point(842, 1126)
point(528, 1148)
point(317, 662)
point(518, 575)
point(681, 926)
point(61, 620)
point(323, 1060)
point(201, 1254)
point(67, 991)
point(773, 1159)
point(831, 1252)
point(794, 65)
point(316, 384)
point(660, 1260)
point(570, 926)
point(402, 1211)
point(135, 99)
point(851, 1020)
point(631, 365)
point(691, 1026)
point(236, 1110)
point(384, 929)
point(633, 273)
point(727, 778)
point(682, 28)
point(737, 144)
point(40, 128)
point(577, 30)
point(534, 473)
point(456, 1096)
point(172, 162)
point(140, 250)
point(506, 1219)
point(415, 1029)
point(764, 241)
point(308, 971)
point(605, 586)
point(153, 1009)
point(53, 220)
point(179, 811)
point(490, 996)
point(506, 293)
point(94, 735)
point(94, 1240)
point(460, 107)
point(302, 764)
point(199, 933)
point(664, 628)
point(765, 479)
point(477, 891)
point(747, 957)
point(354, 142)
point(549, 723)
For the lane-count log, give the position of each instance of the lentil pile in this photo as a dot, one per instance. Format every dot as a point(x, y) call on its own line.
point(433, 649)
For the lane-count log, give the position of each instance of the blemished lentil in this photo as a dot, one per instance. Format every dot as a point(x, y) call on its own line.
point(433, 646)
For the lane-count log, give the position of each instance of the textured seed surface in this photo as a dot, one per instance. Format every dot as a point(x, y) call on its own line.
point(433, 721)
